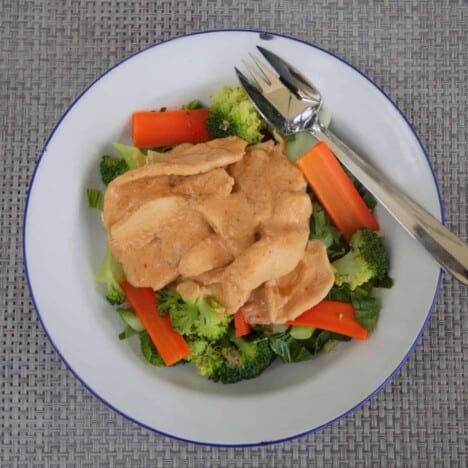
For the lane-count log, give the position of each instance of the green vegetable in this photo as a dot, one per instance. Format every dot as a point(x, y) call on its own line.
point(127, 152)
point(366, 306)
point(192, 105)
point(203, 317)
point(245, 359)
point(340, 294)
point(111, 167)
point(129, 317)
point(368, 198)
point(149, 351)
point(126, 333)
point(299, 143)
point(205, 356)
point(291, 349)
point(385, 282)
point(110, 273)
point(95, 199)
point(367, 260)
point(231, 358)
point(322, 228)
point(232, 113)
point(300, 332)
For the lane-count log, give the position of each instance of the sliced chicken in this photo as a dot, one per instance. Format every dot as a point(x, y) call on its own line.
point(270, 257)
point(154, 229)
point(227, 293)
point(256, 309)
point(232, 218)
point(194, 159)
point(189, 290)
point(265, 168)
point(207, 255)
point(210, 277)
point(263, 172)
point(229, 296)
point(290, 210)
point(120, 200)
point(145, 266)
point(216, 181)
point(281, 245)
point(285, 298)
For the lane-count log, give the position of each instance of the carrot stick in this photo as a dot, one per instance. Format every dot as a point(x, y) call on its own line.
point(171, 345)
point(335, 191)
point(153, 129)
point(241, 326)
point(334, 316)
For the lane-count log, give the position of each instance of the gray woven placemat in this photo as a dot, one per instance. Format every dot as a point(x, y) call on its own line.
point(51, 50)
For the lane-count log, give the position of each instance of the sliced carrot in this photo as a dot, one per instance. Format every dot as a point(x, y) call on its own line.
point(154, 129)
point(335, 191)
point(241, 326)
point(171, 345)
point(334, 316)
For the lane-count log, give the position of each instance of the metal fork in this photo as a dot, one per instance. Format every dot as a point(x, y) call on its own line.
point(290, 104)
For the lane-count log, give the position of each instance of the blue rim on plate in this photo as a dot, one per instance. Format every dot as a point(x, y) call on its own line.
point(265, 34)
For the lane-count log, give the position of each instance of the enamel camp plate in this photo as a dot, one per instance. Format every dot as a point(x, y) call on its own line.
point(64, 242)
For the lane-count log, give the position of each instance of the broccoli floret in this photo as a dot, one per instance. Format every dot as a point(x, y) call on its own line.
point(205, 356)
point(367, 260)
point(232, 113)
point(244, 359)
point(95, 199)
point(230, 359)
point(111, 167)
point(192, 105)
point(110, 273)
point(213, 322)
point(203, 317)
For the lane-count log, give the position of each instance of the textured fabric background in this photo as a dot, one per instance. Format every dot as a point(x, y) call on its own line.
point(51, 50)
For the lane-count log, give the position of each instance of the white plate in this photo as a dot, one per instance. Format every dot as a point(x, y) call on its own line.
point(63, 242)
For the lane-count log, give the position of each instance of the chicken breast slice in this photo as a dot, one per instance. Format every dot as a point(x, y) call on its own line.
point(120, 200)
point(283, 238)
point(269, 257)
point(189, 290)
point(256, 310)
point(152, 235)
point(233, 218)
point(229, 296)
point(284, 299)
point(194, 159)
point(145, 266)
point(290, 210)
point(265, 168)
point(212, 283)
point(207, 255)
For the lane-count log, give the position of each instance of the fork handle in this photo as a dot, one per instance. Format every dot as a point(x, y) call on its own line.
point(446, 248)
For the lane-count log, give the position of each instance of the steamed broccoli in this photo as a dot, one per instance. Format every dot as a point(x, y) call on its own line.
point(232, 113)
point(111, 167)
point(245, 359)
point(95, 199)
point(205, 356)
point(367, 260)
point(203, 317)
point(110, 273)
point(231, 359)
